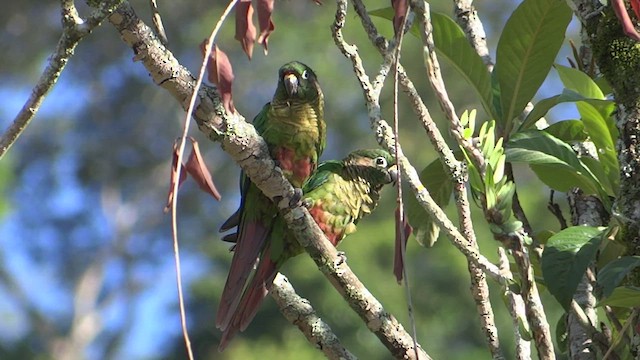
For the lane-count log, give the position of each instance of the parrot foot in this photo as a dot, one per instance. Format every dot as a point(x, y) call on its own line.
point(296, 198)
point(342, 258)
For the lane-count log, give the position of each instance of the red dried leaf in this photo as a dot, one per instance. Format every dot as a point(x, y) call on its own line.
point(220, 72)
point(245, 30)
point(399, 12)
point(403, 231)
point(265, 8)
point(622, 15)
point(635, 5)
point(196, 167)
point(174, 173)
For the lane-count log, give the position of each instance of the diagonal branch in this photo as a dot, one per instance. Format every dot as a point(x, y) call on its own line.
point(74, 29)
point(300, 313)
point(240, 140)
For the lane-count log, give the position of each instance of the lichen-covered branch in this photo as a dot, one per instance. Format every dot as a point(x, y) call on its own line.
point(240, 140)
point(384, 135)
point(467, 17)
point(299, 312)
point(74, 29)
point(516, 310)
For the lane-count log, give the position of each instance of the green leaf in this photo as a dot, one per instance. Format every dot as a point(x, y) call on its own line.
point(568, 130)
point(596, 117)
point(612, 274)
point(599, 132)
point(451, 42)
point(544, 105)
point(625, 296)
point(553, 161)
point(597, 169)
point(566, 258)
point(578, 81)
point(526, 50)
point(438, 183)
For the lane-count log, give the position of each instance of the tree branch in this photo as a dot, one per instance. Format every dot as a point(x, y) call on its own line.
point(240, 140)
point(74, 29)
point(300, 313)
point(467, 18)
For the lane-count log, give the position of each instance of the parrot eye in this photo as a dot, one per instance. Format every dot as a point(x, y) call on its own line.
point(305, 74)
point(381, 162)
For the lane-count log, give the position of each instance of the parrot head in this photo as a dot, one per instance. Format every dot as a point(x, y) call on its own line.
point(297, 81)
point(375, 166)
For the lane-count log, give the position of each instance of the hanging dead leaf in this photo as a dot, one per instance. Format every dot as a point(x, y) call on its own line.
point(265, 8)
point(220, 73)
point(399, 12)
point(635, 5)
point(403, 231)
point(245, 30)
point(627, 25)
point(198, 170)
point(174, 173)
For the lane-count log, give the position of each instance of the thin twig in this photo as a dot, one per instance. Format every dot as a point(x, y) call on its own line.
point(74, 29)
point(400, 206)
point(630, 320)
point(516, 309)
point(467, 18)
point(174, 202)
point(156, 19)
point(299, 312)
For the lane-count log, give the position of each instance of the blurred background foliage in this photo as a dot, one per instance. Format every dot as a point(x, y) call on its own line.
point(84, 187)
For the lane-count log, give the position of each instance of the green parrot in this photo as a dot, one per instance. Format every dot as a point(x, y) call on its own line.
point(338, 194)
point(293, 127)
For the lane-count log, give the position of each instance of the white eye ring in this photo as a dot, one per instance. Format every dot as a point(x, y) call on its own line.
point(381, 162)
point(305, 74)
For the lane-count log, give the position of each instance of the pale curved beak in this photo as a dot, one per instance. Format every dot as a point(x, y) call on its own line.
point(393, 174)
point(291, 84)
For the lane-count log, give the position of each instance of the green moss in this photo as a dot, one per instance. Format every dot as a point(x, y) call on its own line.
point(617, 55)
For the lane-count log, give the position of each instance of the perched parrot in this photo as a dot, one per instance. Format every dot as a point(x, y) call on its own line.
point(338, 194)
point(293, 127)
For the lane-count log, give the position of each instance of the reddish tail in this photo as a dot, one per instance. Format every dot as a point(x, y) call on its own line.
point(248, 246)
point(253, 297)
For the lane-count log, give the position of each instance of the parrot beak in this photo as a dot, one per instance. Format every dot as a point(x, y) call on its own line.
point(291, 84)
point(393, 174)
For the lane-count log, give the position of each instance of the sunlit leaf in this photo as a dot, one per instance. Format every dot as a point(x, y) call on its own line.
point(541, 108)
point(566, 258)
point(526, 50)
point(553, 161)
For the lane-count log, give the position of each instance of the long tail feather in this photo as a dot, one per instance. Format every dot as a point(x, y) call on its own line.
point(254, 295)
point(246, 252)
